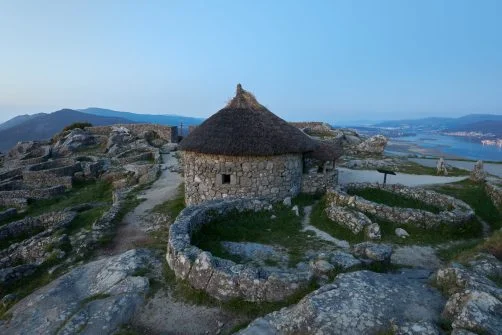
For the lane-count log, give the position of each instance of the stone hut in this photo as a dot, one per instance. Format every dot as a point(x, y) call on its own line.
point(244, 150)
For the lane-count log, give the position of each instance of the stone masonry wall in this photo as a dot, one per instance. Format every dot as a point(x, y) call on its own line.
point(274, 177)
point(314, 182)
point(221, 278)
point(168, 133)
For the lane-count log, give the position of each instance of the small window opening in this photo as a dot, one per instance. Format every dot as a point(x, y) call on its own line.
point(320, 169)
point(225, 179)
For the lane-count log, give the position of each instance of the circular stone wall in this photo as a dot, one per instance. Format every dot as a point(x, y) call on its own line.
point(453, 211)
point(221, 278)
point(271, 177)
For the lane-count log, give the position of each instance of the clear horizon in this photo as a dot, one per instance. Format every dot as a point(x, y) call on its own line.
point(329, 61)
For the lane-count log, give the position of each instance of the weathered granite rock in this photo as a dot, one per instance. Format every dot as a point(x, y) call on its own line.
point(475, 302)
point(361, 302)
point(75, 140)
point(478, 173)
point(486, 265)
point(287, 201)
point(416, 328)
point(495, 193)
point(374, 145)
point(456, 279)
point(344, 260)
point(95, 298)
point(373, 231)
point(400, 232)
point(476, 311)
point(373, 251)
point(321, 266)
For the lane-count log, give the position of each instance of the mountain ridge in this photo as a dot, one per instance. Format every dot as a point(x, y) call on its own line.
point(43, 126)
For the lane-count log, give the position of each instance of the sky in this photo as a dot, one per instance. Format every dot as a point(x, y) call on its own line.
point(330, 60)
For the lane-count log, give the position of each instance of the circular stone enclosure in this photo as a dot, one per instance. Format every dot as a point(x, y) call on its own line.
point(221, 278)
point(452, 211)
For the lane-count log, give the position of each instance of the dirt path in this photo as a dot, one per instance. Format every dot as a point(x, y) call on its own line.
point(307, 210)
point(133, 230)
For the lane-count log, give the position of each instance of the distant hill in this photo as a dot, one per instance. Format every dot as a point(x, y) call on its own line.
point(166, 119)
point(17, 120)
point(441, 123)
point(489, 126)
point(44, 126)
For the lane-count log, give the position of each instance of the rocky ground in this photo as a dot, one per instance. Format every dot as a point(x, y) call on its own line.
point(404, 287)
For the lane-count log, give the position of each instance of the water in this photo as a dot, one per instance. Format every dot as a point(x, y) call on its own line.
point(453, 146)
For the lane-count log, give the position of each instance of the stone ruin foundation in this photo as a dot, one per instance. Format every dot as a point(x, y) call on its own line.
point(351, 210)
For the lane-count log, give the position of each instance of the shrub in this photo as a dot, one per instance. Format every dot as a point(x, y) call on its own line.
point(79, 125)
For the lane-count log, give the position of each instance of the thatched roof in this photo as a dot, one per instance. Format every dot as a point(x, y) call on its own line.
point(327, 151)
point(244, 127)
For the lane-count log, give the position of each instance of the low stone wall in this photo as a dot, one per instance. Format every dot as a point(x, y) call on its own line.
point(454, 211)
point(85, 243)
point(58, 172)
point(168, 133)
point(221, 278)
point(314, 182)
point(11, 174)
point(495, 193)
point(18, 203)
point(41, 193)
point(45, 221)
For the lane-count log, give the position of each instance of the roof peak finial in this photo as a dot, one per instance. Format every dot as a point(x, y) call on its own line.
point(239, 89)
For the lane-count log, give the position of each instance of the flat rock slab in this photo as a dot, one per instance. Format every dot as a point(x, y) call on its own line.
point(361, 302)
point(416, 256)
point(95, 298)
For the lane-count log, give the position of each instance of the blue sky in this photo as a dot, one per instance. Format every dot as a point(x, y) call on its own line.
point(306, 60)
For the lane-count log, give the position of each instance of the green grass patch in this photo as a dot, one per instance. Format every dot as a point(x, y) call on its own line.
point(474, 194)
point(172, 208)
point(415, 168)
point(257, 227)
point(82, 192)
point(391, 199)
point(461, 248)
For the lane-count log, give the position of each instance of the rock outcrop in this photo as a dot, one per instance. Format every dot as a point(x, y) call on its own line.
point(95, 298)
point(373, 145)
point(475, 301)
point(361, 302)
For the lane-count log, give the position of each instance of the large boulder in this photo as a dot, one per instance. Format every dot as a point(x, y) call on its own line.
point(75, 140)
point(373, 145)
point(95, 298)
point(475, 302)
point(361, 302)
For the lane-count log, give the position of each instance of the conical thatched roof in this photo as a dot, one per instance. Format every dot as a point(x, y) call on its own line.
point(246, 128)
point(327, 151)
